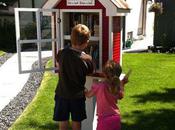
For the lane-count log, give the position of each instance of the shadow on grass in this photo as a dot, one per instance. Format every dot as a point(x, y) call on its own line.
point(44, 126)
point(167, 96)
point(9, 49)
point(156, 120)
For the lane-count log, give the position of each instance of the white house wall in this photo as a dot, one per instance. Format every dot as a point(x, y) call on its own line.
point(132, 22)
point(132, 19)
point(150, 25)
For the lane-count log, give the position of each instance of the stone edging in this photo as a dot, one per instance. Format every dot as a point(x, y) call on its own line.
point(4, 58)
point(16, 106)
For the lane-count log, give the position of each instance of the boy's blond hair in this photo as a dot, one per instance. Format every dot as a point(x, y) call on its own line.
point(80, 34)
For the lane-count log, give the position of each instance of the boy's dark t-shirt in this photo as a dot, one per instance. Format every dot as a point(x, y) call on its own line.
point(72, 74)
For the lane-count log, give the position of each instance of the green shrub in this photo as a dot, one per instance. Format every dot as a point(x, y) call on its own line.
point(7, 37)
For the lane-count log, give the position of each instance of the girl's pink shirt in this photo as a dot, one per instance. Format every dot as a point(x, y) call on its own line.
point(106, 102)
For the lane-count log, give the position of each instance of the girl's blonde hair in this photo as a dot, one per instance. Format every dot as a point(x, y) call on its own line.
point(112, 70)
point(80, 34)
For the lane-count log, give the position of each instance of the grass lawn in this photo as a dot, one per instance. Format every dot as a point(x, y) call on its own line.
point(149, 102)
point(2, 53)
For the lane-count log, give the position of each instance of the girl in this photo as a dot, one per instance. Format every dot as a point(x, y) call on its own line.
point(107, 93)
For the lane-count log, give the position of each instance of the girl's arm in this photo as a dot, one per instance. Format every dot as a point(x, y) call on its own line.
point(122, 84)
point(89, 93)
point(121, 91)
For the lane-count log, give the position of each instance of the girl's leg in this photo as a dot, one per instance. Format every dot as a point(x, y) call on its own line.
point(63, 125)
point(76, 125)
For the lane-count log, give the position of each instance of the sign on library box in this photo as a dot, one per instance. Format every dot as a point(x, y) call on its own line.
point(80, 2)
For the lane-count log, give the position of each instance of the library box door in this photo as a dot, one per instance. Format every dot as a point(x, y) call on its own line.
point(37, 38)
point(93, 20)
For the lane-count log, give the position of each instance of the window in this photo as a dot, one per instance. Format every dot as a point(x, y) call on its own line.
point(142, 19)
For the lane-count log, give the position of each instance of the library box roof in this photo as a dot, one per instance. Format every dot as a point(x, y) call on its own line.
point(113, 7)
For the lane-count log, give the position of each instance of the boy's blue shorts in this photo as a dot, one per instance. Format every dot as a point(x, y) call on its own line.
point(66, 107)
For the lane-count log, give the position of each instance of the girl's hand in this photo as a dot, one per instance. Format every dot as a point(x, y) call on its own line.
point(126, 77)
point(85, 90)
point(88, 93)
point(125, 80)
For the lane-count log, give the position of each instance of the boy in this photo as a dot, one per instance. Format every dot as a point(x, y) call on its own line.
point(73, 65)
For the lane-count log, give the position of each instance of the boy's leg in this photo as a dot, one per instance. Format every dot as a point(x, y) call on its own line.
point(63, 125)
point(76, 125)
point(78, 112)
point(61, 113)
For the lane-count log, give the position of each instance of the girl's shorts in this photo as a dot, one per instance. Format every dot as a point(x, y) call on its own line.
point(64, 108)
point(112, 122)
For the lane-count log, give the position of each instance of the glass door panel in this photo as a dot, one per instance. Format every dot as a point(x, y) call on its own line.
point(37, 37)
point(92, 21)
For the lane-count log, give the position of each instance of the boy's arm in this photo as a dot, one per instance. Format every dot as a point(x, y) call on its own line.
point(85, 57)
point(57, 60)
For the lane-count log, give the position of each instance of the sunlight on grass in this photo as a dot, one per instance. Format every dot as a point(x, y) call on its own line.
point(149, 102)
point(2, 53)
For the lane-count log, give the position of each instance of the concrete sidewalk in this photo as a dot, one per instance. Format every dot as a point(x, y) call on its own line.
point(11, 82)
